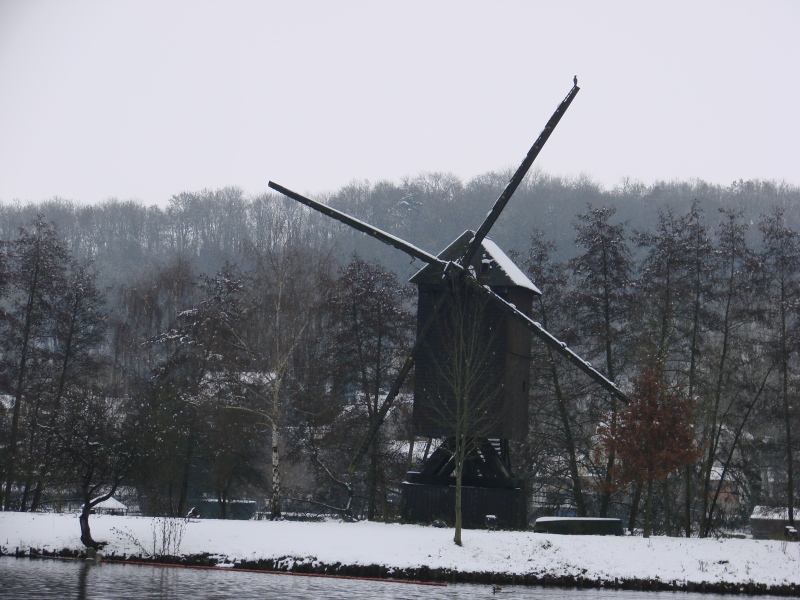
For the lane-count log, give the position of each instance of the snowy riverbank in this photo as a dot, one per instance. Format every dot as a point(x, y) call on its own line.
point(406, 550)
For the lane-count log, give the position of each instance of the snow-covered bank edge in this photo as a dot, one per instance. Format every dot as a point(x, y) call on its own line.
point(408, 552)
point(293, 565)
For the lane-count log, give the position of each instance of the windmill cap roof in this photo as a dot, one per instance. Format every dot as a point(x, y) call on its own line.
point(502, 270)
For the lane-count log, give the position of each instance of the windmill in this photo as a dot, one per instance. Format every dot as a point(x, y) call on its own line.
point(474, 265)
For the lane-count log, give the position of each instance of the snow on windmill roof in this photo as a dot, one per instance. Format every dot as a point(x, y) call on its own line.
point(502, 271)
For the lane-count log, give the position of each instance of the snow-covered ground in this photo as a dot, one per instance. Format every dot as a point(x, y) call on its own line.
point(409, 546)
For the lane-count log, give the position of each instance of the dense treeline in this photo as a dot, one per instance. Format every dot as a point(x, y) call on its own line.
point(718, 315)
point(211, 226)
point(229, 346)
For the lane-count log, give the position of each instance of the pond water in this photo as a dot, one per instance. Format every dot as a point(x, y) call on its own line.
point(22, 579)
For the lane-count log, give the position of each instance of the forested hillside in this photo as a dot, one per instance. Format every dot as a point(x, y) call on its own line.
point(430, 210)
point(230, 346)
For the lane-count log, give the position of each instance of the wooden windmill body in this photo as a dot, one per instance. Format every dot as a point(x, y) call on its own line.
point(508, 344)
point(491, 488)
point(473, 266)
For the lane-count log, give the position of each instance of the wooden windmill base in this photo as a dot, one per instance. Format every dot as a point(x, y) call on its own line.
point(423, 503)
point(490, 497)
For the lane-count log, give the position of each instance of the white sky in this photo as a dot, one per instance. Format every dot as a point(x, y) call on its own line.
point(145, 99)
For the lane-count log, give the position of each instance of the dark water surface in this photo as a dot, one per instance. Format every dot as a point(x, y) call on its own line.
point(23, 578)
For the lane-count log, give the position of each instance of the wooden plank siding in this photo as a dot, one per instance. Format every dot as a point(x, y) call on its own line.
point(428, 503)
point(507, 370)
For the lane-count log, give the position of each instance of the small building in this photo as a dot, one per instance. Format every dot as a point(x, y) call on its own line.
point(724, 484)
point(578, 526)
point(769, 522)
point(236, 509)
point(112, 506)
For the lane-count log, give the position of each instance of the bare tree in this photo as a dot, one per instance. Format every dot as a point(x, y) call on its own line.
point(37, 265)
point(780, 261)
point(465, 393)
point(98, 446)
point(698, 268)
point(732, 306)
point(371, 325)
point(603, 276)
point(77, 362)
point(162, 371)
point(558, 414)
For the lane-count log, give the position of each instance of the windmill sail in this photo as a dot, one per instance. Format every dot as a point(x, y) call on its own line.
point(518, 176)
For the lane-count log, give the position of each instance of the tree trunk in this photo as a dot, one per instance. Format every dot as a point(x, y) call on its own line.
point(610, 372)
point(577, 491)
point(37, 493)
point(694, 352)
point(712, 438)
point(789, 457)
point(384, 497)
point(187, 460)
point(648, 509)
point(223, 505)
point(687, 514)
point(606, 497)
point(410, 456)
point(275, 500)
point(86, 532)
point(637, 496)
point(459, 472)
point(372, 482)
point(23, 503)
point(427, 450)
point(667, 506)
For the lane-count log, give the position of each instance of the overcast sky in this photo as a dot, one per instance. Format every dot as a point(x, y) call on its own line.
point(143, 100)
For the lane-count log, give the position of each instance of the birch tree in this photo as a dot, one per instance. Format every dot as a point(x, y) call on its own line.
point(259, 316)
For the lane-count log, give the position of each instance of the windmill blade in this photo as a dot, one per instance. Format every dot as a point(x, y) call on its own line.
point(380, 417)
point(514, 182)
point(386, 238)
point(551, 341)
